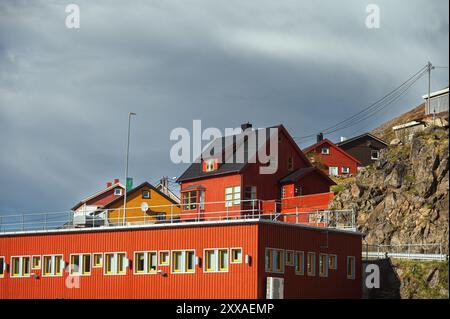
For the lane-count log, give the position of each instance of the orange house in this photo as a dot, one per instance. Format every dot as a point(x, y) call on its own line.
point(145, 204)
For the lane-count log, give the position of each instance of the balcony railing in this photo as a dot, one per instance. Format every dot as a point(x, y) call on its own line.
point(241, 210)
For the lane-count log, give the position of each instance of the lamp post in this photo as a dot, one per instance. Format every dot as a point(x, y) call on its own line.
point(126, 168)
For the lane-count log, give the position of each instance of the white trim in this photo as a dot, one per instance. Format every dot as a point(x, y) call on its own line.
point(159, 259)
point(283, 260)
point(40, 262)
point(293, 258)
point(347, 171)
point(326, 149)
point(183, 264)
point(115, 263)
point(325, 275)
point(435, 93)
point(336, 261)
point(146, 261)
point(314, 273)
point(93, 260)
point(302, 272)
point(216, 257)
point(81, 266)
point(231, 255)
point(20, 267)
point(374, 158)
point(53, 266)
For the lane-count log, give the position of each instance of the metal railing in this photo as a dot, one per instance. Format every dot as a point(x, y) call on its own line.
point(405, 251)
point(169, 214)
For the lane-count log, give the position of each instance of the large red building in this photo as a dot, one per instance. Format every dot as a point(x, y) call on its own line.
point(215, 259)
point(333, 160)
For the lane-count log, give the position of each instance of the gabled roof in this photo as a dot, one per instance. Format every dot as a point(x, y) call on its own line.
point(359, 137)
point(83, 201)
point(334, 146)
point(302, 172)
point(134, 190)
point(195, 170)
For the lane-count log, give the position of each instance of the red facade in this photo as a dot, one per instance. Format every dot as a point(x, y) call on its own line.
point(334, 160)
point(244, 279)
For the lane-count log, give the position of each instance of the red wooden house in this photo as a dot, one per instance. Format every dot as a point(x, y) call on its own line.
point(219, 183)
point(333, 160)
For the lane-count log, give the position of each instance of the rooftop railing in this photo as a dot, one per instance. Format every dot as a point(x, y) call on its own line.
point(405, 251)
point(201, 212)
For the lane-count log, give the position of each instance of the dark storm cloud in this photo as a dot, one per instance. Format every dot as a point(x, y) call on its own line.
point(65, 94)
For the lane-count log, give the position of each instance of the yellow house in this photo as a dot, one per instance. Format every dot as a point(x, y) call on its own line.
point(145, 204)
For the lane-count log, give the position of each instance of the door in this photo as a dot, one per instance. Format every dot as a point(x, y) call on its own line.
point(333, 171)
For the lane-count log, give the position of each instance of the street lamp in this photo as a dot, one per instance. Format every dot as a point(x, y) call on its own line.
point(126, 168)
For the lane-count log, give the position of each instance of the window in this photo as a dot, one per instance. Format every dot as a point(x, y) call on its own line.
point(52, 265)
point(2, 267)
point(118, 192)
point(345, 170)
point(332, 262)
point(283, 191)
point(145, 194)
point(145, 262)
point(351, 267)
point(289, 258)
point(152, 262)
point(274, 260)
point(290, 163)
point(80, 264)
point(375, 154)
point(183, 261)
point(115, 264)
point(216, 260)
point(250, 193)
point(236, 255)
point(20, 266)
point(139, 262)
point(36, 262)
point(164, 258)
point(325, 150)
point(323, 265)
point(210, 165)
point(190, 200)
point(311, 264)
point(98, 260)
point(299, 263)
point(232, 196)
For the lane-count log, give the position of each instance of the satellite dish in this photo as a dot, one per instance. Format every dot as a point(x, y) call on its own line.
point(144, 207)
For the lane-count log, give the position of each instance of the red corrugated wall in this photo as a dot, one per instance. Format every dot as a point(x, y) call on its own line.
point(336, 285)
point(239, 282)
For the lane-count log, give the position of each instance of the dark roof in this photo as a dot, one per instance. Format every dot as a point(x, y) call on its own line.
point(302, 172)
point(131, 191)
point(361, 136)
point(195, 186)
point(195, 170)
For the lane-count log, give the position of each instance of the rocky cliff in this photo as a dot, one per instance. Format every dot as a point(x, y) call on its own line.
point(404, 197)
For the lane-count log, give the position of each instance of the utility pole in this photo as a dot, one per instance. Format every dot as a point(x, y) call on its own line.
point(430, 67)
point(126, 168)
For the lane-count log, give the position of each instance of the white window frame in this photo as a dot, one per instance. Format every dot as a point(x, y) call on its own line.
point(93, 260)
point(115, 263)
point(80, 270)
point(330, 170)
point(292, 263)
point(283, 260)
point(231, 255)
point(2, 275)
point(325, 150)
point(353, 275)
point(216, 259)
point(302, 271)
point(20, 267)
point(118, 192)
point(345, 170)
point(323, 275)
point(146, 261)
point(183, 261)
point(375, 158)
point(159, 258)
point(53, 266)
point(209, 165)
point(146, 191)
point(235, 196)
point(40, 262)
point(335, 263)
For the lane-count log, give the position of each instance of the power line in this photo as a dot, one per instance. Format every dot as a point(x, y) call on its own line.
point(375, 107)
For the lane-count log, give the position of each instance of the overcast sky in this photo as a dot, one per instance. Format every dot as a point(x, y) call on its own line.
point(65, 93)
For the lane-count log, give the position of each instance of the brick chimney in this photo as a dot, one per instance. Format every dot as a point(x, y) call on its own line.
point(108, 184)
point(116, 181)
point(319, 137)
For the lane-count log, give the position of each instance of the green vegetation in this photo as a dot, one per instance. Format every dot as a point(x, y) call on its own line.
point(337, 188)
point(423, 280)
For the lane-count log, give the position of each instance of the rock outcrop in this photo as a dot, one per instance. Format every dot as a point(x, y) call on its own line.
point(404, 197)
